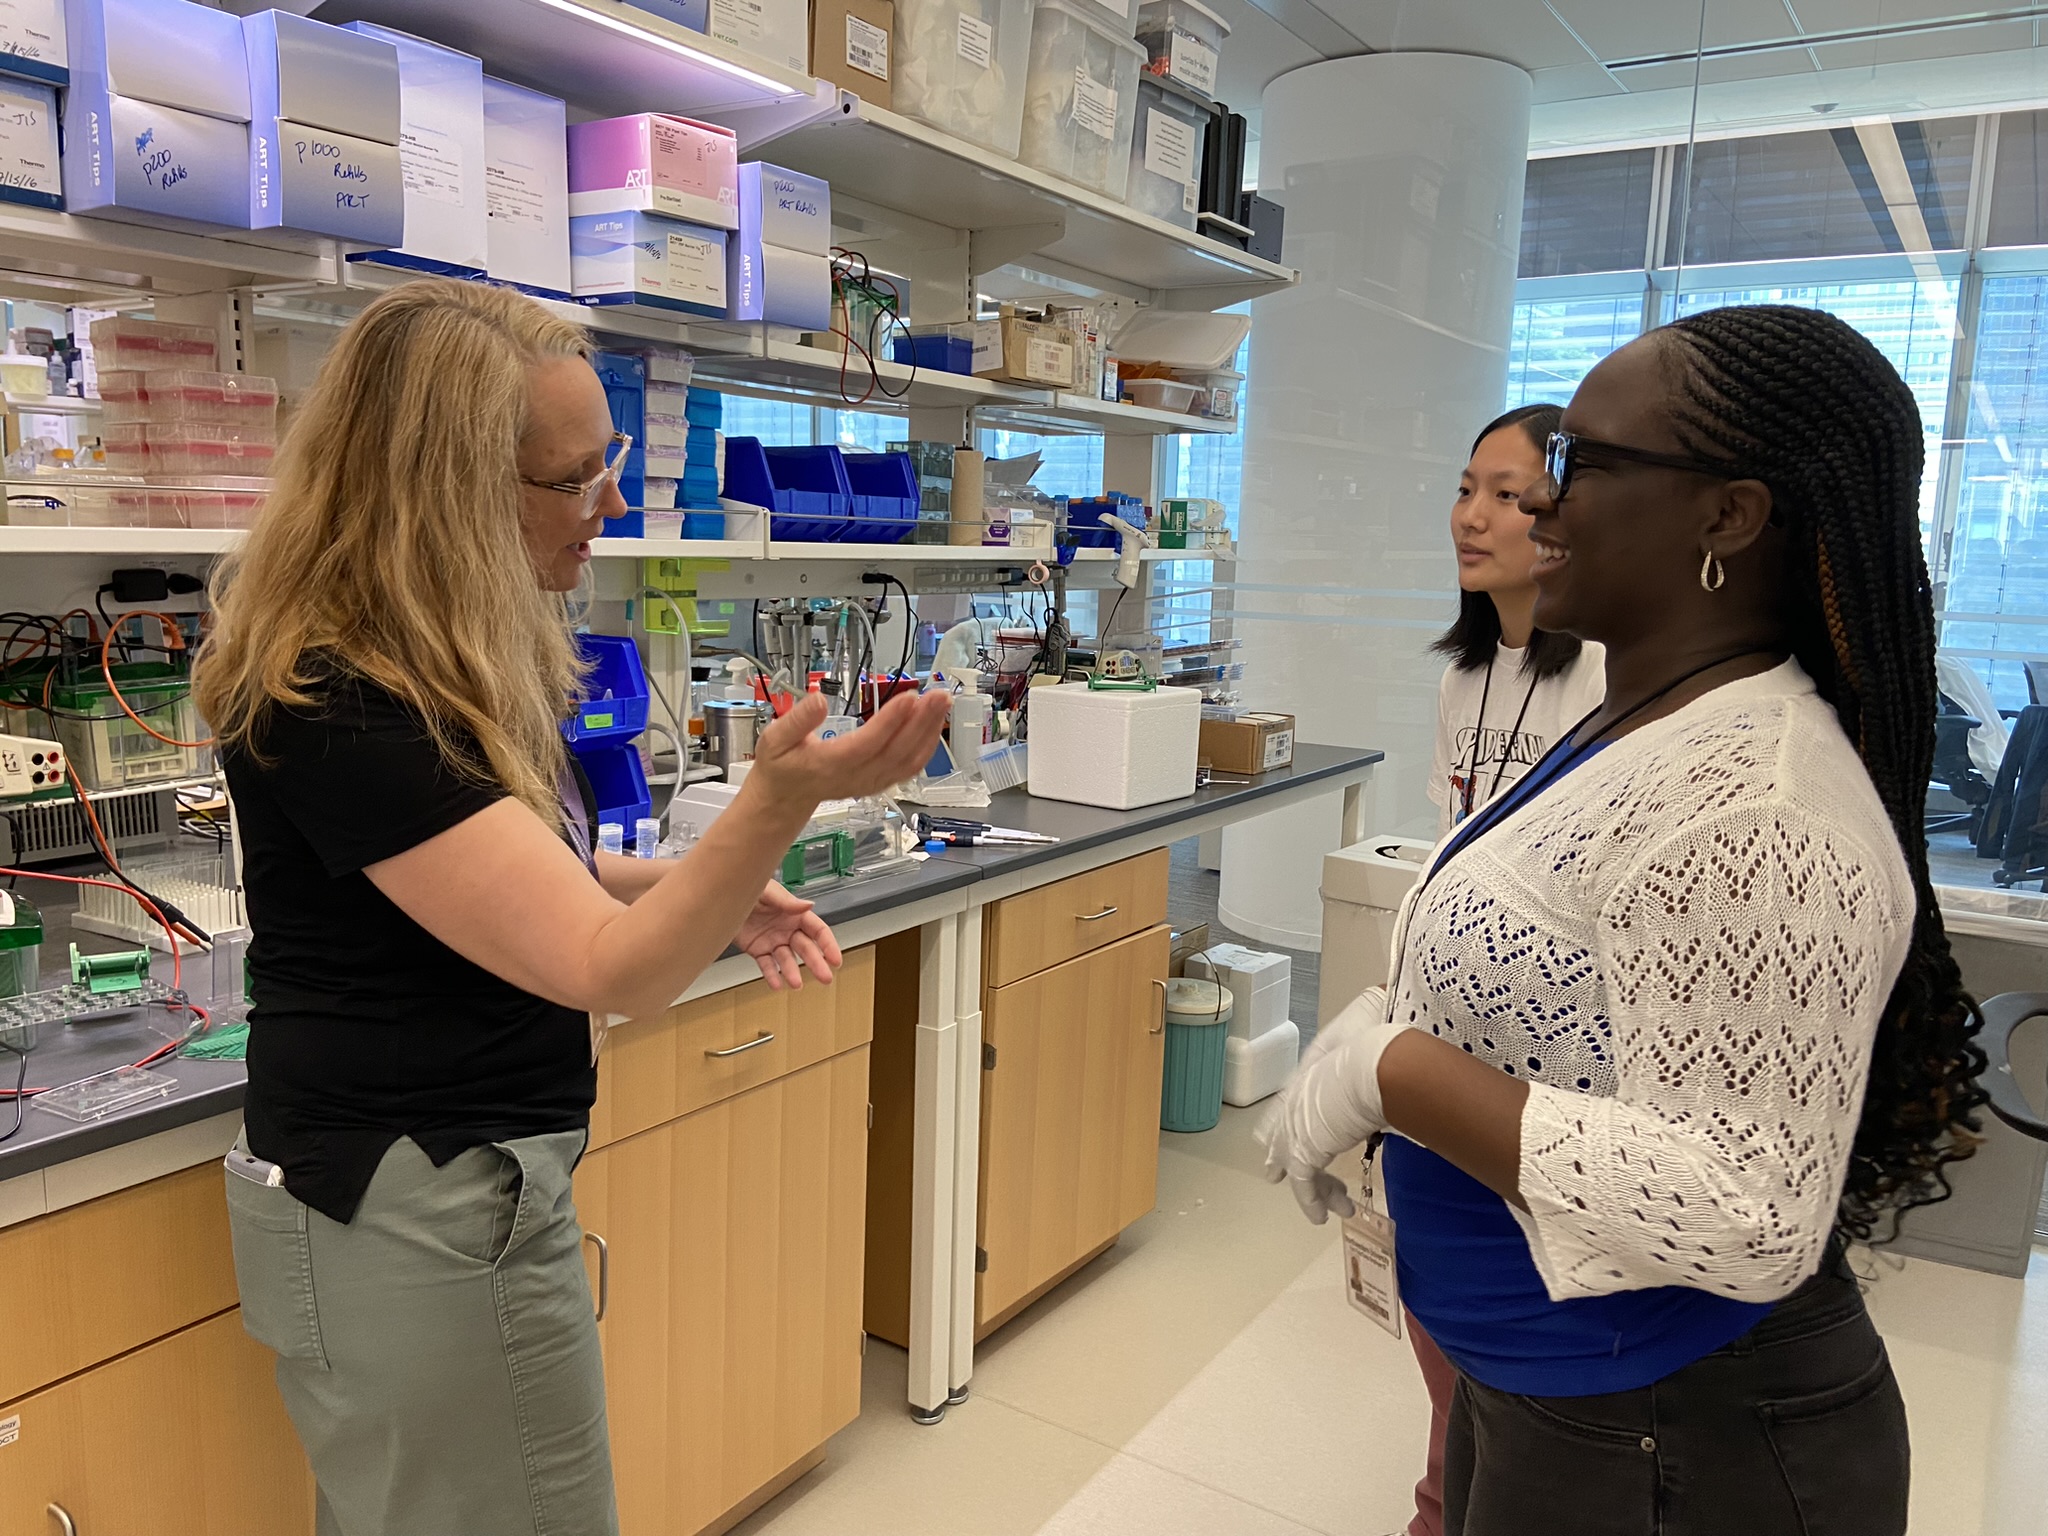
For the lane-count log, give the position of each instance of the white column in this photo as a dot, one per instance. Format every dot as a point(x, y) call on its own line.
point(1401, 174)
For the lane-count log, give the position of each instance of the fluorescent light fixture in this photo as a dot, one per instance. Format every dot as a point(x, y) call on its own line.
point(681, 50)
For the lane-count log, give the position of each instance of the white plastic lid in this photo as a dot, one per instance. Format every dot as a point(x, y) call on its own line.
point(1163, 6)
point(1101, 28)
point(1189, 1001)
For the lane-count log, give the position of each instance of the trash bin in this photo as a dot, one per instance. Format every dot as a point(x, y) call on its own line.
point(1363, 886)
point(1197, 1026)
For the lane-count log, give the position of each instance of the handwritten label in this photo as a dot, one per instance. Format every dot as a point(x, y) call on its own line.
point(974, 40)
point(1094, 104)
point(10, 1429)
point(27, 144)
point(161, 167)
point(867, 48)
point(696, 270)
point(1191, 61)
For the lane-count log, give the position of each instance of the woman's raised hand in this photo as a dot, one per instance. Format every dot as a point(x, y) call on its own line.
point(897, 742)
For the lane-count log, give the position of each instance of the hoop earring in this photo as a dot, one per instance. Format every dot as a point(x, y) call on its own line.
point(1712, 573)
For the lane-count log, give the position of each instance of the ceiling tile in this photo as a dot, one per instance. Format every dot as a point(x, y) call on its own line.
point(1618, 29)
point(1519, 31)
point(1572, 82)
point(1836, 15)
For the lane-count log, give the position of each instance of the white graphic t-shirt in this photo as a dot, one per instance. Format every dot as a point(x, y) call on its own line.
point(1491, 754)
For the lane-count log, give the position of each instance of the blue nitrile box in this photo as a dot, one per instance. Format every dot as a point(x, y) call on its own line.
point(169, 52)
point(29, 168)
point(694, 14)
point(137, 160)
point(643, 258)
point(32, 42)
point(321, 77)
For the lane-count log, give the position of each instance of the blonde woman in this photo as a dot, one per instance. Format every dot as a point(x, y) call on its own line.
point(432, 932)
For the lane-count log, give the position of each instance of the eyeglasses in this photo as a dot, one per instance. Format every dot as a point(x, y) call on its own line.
point(1561, 457)
point(589, 491)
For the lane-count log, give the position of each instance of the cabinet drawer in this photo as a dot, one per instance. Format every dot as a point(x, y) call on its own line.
point(654, 1070)
point(1041, 928)
point(91, 1282)
point(184, 1438)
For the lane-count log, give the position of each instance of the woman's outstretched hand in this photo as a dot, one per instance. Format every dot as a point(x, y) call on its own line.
point(783, 935)
point(794, 764)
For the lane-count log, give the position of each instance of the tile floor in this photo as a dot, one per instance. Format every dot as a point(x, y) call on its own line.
point(1206, 1377)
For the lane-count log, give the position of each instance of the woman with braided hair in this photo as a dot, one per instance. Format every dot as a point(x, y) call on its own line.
point(1676, 1018)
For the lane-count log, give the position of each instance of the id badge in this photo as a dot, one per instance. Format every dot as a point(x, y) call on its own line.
point(1368, 1251)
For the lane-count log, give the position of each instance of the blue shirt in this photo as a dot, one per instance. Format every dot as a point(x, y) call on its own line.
point(1466, 1271)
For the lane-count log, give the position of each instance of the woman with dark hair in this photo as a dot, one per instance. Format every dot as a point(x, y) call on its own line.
point(1676, 1018)
point(1511, 689)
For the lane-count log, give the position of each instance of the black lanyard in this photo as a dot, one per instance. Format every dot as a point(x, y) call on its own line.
point(1479, 735)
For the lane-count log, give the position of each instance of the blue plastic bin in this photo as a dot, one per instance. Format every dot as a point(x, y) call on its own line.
point(885, 497)
point(940, 354)
point(617, 783)
point(615, 694)
point(703, 525)
point(624, 377)
point(704, 408)
point(805, 489)
point(1085, 526)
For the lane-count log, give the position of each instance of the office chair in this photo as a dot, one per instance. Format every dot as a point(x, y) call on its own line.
point(1956, 772)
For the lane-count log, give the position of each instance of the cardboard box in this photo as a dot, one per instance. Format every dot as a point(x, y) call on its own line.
point(1021, 351)
point(694, 14)
point(653, 163)
point(1186, 942)
point(32, 41)
point(151, 164)
point(778, 266)
point(776, 30)
point(441, 150)
point(526, 188)
point(325, 183)
point(1250, 744)
point(169, 52)
point(321, 77)
point(850, 46)
point(642, 258)
point(29, 170)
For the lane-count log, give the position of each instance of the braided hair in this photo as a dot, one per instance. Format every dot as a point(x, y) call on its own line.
point(1799, 400)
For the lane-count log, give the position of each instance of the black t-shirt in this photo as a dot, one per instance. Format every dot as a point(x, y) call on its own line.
point(364, 1026)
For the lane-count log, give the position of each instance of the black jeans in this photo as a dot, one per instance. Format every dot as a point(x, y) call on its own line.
point(1795, 1429)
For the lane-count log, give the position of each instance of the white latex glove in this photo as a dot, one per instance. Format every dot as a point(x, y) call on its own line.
point(1330, 1105)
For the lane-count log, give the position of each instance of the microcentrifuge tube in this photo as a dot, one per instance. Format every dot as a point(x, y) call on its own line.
point(646, 837)
point(611, 837)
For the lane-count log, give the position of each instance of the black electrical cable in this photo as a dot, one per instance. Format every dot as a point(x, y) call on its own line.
point(909, 625)
point(20, 1082)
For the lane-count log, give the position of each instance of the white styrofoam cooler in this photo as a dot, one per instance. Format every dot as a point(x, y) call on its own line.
point(1363, 886)
point(1114, 749)
point(1261, 986)
point(1258, 1069)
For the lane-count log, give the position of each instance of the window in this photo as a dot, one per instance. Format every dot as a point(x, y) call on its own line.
point(1587, 213)
point(1072, 465)
point(778, 423)
point(1556, 343)
point(1208, 464)
point(2019, 181)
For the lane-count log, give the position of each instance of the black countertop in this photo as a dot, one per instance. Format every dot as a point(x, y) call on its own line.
point(208, 1088)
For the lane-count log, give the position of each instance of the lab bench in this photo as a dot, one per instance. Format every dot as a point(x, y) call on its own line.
point(918, 1152)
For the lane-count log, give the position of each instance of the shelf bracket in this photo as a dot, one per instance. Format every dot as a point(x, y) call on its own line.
point(761, 126)
point(988, 249)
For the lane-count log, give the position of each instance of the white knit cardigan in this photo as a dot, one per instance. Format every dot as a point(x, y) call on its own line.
point(1684, 945)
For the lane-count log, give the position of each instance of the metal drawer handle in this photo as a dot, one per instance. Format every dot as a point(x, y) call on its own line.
point(65, 1523)
point(604, 1273)
point(1094, 917)
point(761, 1039)
point(1156, 1028)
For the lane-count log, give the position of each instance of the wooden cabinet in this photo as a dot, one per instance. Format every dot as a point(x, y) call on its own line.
point(1069, 1116)
point(733, 1241)
point(1028, 933)
point(185, 1437)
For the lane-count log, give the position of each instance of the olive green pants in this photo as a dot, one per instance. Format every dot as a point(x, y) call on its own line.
point(438, 1354)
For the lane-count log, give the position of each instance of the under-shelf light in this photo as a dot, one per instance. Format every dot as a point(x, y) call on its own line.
point(682, 50)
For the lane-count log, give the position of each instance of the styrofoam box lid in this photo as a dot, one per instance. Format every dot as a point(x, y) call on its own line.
point(1375, 872)
point(1261, 967)
point(1080, 11)
point(1192, 1001)
point(1117, 701)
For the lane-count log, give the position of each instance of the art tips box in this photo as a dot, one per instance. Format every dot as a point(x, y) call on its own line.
point(642, 258)
point(654, 163)
point(169, 52)
point(323, 130)
point(778, 267)
point(441, 155)
point(32, 40)
point(150, 164)
point(322, 77)
point(29, 171)
point(526, 171)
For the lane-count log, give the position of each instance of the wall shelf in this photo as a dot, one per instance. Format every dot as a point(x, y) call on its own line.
point(50, 405)
point(116, 541)
point(63, 258)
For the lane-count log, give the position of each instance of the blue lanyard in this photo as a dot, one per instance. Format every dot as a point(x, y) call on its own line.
point(1560, 760)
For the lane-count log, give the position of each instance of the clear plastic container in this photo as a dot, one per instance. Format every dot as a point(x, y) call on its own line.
point(61, 501)
point(150, 344)
point(1081, 97)
point(108, 750)
point(1166, 155)
point(1219, 388)
point(195, 448)
point(1161, 394)
point(126, 444)
point(1183, 40)
point(247, 402)
point(961, 65)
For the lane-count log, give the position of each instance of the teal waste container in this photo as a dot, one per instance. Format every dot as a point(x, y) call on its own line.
point(1197, 1024)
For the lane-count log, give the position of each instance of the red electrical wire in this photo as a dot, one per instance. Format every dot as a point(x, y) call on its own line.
point(174, 640)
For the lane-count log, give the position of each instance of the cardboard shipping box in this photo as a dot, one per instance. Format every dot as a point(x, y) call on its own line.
point(1021, 351)
point(850, 42)
point(1249, 744)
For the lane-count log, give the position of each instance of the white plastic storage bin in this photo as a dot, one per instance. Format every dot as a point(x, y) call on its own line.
point(1166, 154)
point(1114, 748)
point(1363, 887)
point(1183, 40)
point(1081, 97)
point(1258, 1069)
point(961, 66)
